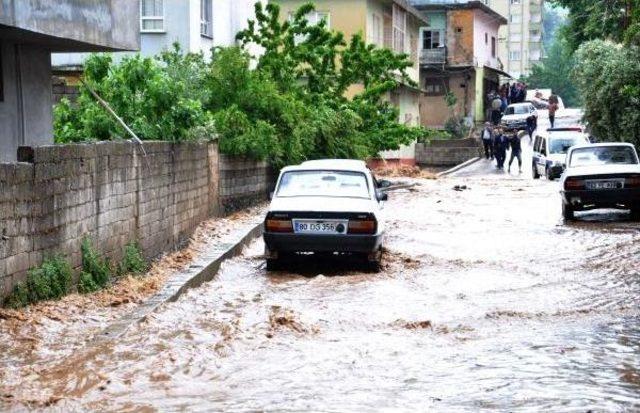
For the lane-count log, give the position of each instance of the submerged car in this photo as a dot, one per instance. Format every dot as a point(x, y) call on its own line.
point(601, 175)
point(550, 150)
point(327, 206)
point(516, 115)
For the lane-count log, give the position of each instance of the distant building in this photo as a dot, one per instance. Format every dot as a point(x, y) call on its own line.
point(196, 25)
point(393, 24)
point(29, 32)
point(520, 46)
point(458, 55)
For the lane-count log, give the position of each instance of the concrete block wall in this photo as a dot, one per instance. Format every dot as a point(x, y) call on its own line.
point(446, 152)
point(113, 194)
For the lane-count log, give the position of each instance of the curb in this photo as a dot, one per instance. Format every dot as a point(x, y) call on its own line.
point(458, 167)
point(203, 269)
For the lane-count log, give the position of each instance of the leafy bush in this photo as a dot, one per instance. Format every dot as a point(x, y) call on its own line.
point(96, 271)
point(50, 281)
point(132, 261)
point(456, 127)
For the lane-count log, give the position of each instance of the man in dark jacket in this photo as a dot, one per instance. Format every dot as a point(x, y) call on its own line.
point(516, 149)
point(500, 144)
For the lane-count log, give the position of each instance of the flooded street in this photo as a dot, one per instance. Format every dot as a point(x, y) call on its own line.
point(488, 301)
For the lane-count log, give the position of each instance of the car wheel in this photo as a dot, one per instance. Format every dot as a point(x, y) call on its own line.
point(534, 169)
point(568, 212)
point(374, 264)
point(548, 174)
point(635, 212)
point(274, 264)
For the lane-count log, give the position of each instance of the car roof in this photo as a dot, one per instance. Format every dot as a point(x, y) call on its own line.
point(521, 104)
point(330, 164)
point(602, 144)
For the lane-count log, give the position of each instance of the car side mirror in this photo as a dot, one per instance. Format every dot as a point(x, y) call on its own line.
point(382, 196)
point(384, 184)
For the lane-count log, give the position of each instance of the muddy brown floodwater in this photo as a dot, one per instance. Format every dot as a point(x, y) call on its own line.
point(488, 302)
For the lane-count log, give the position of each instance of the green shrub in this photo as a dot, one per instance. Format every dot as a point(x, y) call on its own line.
point(456, 127)
point(50, 281)
point(86, 283)
point(133, 261)
point(95, 266)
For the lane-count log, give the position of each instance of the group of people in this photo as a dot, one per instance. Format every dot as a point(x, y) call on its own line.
point(507, 94)
point(497, 140)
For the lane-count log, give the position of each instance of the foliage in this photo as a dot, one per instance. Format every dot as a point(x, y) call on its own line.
point(456, 127)
point(616, 20)
point(133, 261)
point(50, 281)
point(159, 99)
point(556, 73)
point(608, 77)
point(96, 271)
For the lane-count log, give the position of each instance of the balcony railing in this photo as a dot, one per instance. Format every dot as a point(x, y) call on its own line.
point(437, 56)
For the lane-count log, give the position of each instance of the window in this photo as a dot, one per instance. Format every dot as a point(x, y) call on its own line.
point(515, 1)
point(152, 16)
point(313, 18)
point(516, 18)
point(399, 28)
point(493, 47)
point(515, 55)
point(436, 87)
point(375, 36)
point(486, 38)
point(432, 39)
point(334, 184)
point(205, 18)
point(604, 155)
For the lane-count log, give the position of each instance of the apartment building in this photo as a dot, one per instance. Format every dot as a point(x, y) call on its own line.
point(197, 25)
point(458, 55)
point(393, 24)
point(520, 45)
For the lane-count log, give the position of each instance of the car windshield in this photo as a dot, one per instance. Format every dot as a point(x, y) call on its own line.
point(340, 184)
point(517, 110)
point(561, 144)
point(604, 155)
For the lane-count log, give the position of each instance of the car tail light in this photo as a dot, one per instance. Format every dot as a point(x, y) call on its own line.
point(574, 183)
point(632, 181)
point(278, 225)
point(367, 226)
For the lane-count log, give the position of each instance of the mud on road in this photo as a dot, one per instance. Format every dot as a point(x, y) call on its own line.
point(488, 301)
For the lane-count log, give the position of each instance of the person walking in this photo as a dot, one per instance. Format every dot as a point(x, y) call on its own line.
point(553, 108)
point(487, 140)
point(531, 126)
point(496, 114)
point(500, 145)
point(516, 149)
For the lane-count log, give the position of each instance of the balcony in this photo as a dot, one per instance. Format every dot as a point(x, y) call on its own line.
point(436, 56)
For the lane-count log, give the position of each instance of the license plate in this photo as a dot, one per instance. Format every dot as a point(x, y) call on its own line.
point(604, 185)
point(313, 226)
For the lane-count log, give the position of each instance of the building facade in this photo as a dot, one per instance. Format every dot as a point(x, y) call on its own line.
point(520, 46)
point(458, 59)
point(393, 24)
point(29, 32)
point(196, 25)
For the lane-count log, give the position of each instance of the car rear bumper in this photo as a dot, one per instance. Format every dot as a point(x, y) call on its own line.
point(322, 243)
point(613, 198)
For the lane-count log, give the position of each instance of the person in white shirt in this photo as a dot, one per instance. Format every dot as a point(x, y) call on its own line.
point(487, 140)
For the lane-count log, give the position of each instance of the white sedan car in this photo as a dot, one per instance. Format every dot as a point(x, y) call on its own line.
point(602, 175)
point(326, 206)
point(516, 115)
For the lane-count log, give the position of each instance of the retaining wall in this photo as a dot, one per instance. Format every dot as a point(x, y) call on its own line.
point(447, 152)
point(111, 193)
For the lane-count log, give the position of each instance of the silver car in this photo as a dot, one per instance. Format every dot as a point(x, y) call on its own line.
point(328, 206)
point(602, 175)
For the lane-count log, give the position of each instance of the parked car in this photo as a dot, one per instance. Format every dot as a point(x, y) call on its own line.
point(550, 150)
point(516, 115)
point(326, 206)
point(601, 175)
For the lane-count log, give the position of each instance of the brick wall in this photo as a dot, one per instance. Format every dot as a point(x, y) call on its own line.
point(62, 89)
point(447, 152)
point(113, 194)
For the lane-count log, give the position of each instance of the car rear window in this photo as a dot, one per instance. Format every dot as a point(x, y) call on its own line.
point(603, 155)
point(337, 184)
point(561, 144)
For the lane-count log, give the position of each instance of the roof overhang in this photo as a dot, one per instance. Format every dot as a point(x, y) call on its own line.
point(471, 5)
point(498, 71)
point(412, 11)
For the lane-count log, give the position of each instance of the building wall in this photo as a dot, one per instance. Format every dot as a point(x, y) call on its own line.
point(434, 111)
point(25, 113)
point(112, 194)
point(484, 29)
point(447, 152)
point(460, 37)
point(520, 36)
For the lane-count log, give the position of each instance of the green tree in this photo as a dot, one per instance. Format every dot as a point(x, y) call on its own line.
point(608, 77)
point(556, 72)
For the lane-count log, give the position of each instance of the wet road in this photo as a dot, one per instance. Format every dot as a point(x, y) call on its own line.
point(488, 302)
